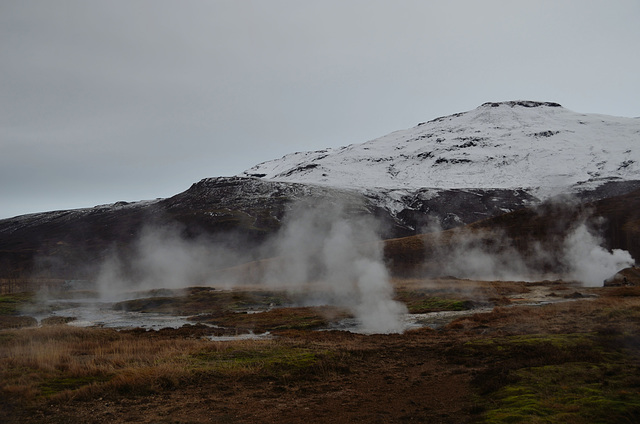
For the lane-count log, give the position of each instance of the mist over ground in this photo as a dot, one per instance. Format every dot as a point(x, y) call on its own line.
point(343, 258)
point(577, 254)
point(322, 256)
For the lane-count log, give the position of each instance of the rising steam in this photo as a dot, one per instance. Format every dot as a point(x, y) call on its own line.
point(491, 255)
point(590, 263)
point(162, 257)
point(322, 258)
point(337, 261)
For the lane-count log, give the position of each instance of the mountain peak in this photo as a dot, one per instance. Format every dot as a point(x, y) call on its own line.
point(506, 145)
point(521, 103)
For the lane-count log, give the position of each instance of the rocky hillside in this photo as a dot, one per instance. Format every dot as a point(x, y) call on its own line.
point(237, 212)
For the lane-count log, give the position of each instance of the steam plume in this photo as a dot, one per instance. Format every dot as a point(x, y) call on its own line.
point(588, 261)
point(322, 258)
point(162, 257)
point(491, 255)
point(337, 261)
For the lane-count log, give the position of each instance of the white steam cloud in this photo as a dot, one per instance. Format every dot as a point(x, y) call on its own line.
point(470, 257)
point(492, 256)
point(588, 261)
point(162, 257)
point(324, 256)
point(337, 261)
point(321, 256)
point(475, 255)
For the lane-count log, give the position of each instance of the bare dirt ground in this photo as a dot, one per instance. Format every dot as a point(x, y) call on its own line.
point(474, 369)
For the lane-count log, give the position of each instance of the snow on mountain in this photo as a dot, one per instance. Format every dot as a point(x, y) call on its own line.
point(505, 145)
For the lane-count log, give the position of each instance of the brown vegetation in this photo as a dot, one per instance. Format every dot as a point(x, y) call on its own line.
point(573, 361)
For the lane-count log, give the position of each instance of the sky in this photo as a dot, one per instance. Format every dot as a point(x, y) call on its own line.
point(125, 100)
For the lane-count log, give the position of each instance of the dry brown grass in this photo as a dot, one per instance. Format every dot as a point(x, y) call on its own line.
point(61, 363)
point(535, 350)
point(580, 316)
point(470, 289)
point(64, 362)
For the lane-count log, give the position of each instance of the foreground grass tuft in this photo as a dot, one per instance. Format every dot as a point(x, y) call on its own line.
point(273, 360)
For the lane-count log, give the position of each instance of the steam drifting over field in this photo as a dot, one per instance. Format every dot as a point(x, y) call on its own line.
point(575, 254)
point(343, 259)
point(322, 257)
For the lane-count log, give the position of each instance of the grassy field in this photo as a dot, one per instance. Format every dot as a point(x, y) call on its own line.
point(574, 361)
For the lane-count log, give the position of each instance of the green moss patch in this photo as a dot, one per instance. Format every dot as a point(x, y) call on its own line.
point(11, 304)
point(577, 378)
point(422, 302)
point(270, 360)
point(56, 385)
point(571, 392)
point(436, 304)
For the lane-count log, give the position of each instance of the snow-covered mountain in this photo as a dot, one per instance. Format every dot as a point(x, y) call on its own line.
point(457, 170)
point(538, 146)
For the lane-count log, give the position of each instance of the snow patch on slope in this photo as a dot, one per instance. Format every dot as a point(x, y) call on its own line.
point(518, 144)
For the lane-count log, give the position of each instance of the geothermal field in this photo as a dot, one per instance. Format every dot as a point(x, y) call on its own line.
point(319, 212)
point(476, 268)
point(335, 325)
point(461, 351)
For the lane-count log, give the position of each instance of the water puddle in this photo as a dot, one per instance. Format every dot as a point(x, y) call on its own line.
point(98, 313)
point(434, 320)
point(246, 336)
point(94, 313)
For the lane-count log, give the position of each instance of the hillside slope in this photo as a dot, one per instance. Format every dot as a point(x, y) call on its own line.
point(536, 234)
point(236, 212)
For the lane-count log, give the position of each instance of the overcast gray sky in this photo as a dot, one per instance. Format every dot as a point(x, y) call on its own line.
point(102, 101)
